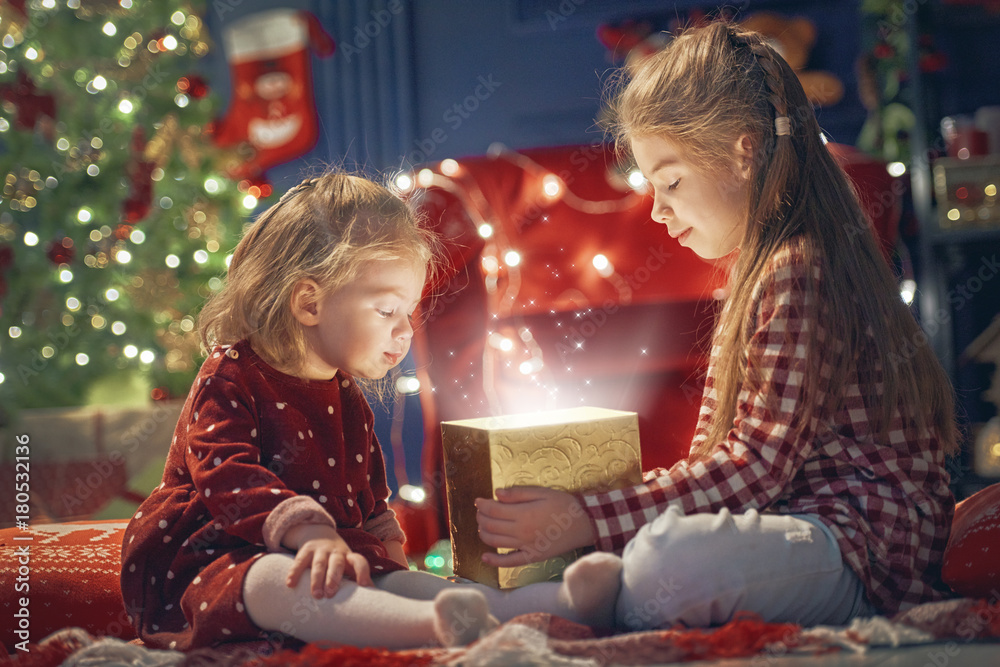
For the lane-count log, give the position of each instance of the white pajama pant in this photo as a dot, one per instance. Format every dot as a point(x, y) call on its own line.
point(701, 569)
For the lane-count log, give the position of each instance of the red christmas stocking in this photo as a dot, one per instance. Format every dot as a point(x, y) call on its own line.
point(272, 106)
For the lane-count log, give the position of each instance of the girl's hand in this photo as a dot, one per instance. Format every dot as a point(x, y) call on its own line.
point(537, 522)
point(396, 553)
point(325, 553)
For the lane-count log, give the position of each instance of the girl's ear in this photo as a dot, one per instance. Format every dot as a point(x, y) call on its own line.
point(744, 156)
point(305, 302)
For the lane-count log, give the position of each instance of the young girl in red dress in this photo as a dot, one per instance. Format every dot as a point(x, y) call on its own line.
point(816, 489)
point(272, 515)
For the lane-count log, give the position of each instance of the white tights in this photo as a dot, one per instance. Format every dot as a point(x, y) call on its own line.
point(412, 609)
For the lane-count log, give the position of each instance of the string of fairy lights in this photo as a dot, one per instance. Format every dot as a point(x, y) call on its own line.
point(501, 262)
point(108, 262)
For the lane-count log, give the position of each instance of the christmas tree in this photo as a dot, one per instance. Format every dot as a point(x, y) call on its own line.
point(117, 218)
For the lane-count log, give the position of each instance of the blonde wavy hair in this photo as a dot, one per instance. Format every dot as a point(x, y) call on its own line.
point(325, 229)
point(708, 88)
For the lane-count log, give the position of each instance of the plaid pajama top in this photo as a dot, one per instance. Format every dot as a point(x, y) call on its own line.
point(888, 503)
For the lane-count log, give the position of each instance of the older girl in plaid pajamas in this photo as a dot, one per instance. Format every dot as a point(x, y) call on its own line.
point(815, 490)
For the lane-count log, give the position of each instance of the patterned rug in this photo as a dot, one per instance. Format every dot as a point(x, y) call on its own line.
point(543, 639)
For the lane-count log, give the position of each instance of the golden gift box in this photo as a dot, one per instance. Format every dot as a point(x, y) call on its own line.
point(576, 450)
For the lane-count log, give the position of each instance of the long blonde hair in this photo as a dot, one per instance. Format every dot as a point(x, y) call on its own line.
point(325, 229)
point(706, 89)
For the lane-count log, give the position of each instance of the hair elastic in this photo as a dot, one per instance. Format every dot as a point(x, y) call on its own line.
point(782, 126)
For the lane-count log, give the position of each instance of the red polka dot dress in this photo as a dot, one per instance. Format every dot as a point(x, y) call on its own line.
point(255, 452)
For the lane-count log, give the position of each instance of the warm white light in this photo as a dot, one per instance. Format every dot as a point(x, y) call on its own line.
point(99, 82)
point(181, 100)
point(896, 168)
point(506, 344)
point(636, 179)
point(84, 215)
point(449, 167)
point(125, 106)
point(62, 144)
point(954, 214)
point(123, 257)
point(530, 366)
point(173, 261)
point(490, 264)
point(82, 359)
point(486, 230)
point(170, 42)
point(178, 18)
point(2, 378)
point(407, 384)
point(30, 53)
point(413, 494)
point(404, 182)
point(907, 290)
point(109, 29)
point(229, 260)
point(249, 202)
point(112, 294)
point(93, 170)
point(118, 328)
point(425, 177)
point(66, 275)
point(73, 304)
point(30, 239)
point(147, 356)
point(512, 258)
point(14, 332)
point(137, 236)
point(130, 351)
point(211, 185)
point(200, 256)
point(601, 263)
point(551, 185)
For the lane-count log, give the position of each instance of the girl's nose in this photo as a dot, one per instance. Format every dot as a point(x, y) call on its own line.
point(661, 212)
point(405, 330)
